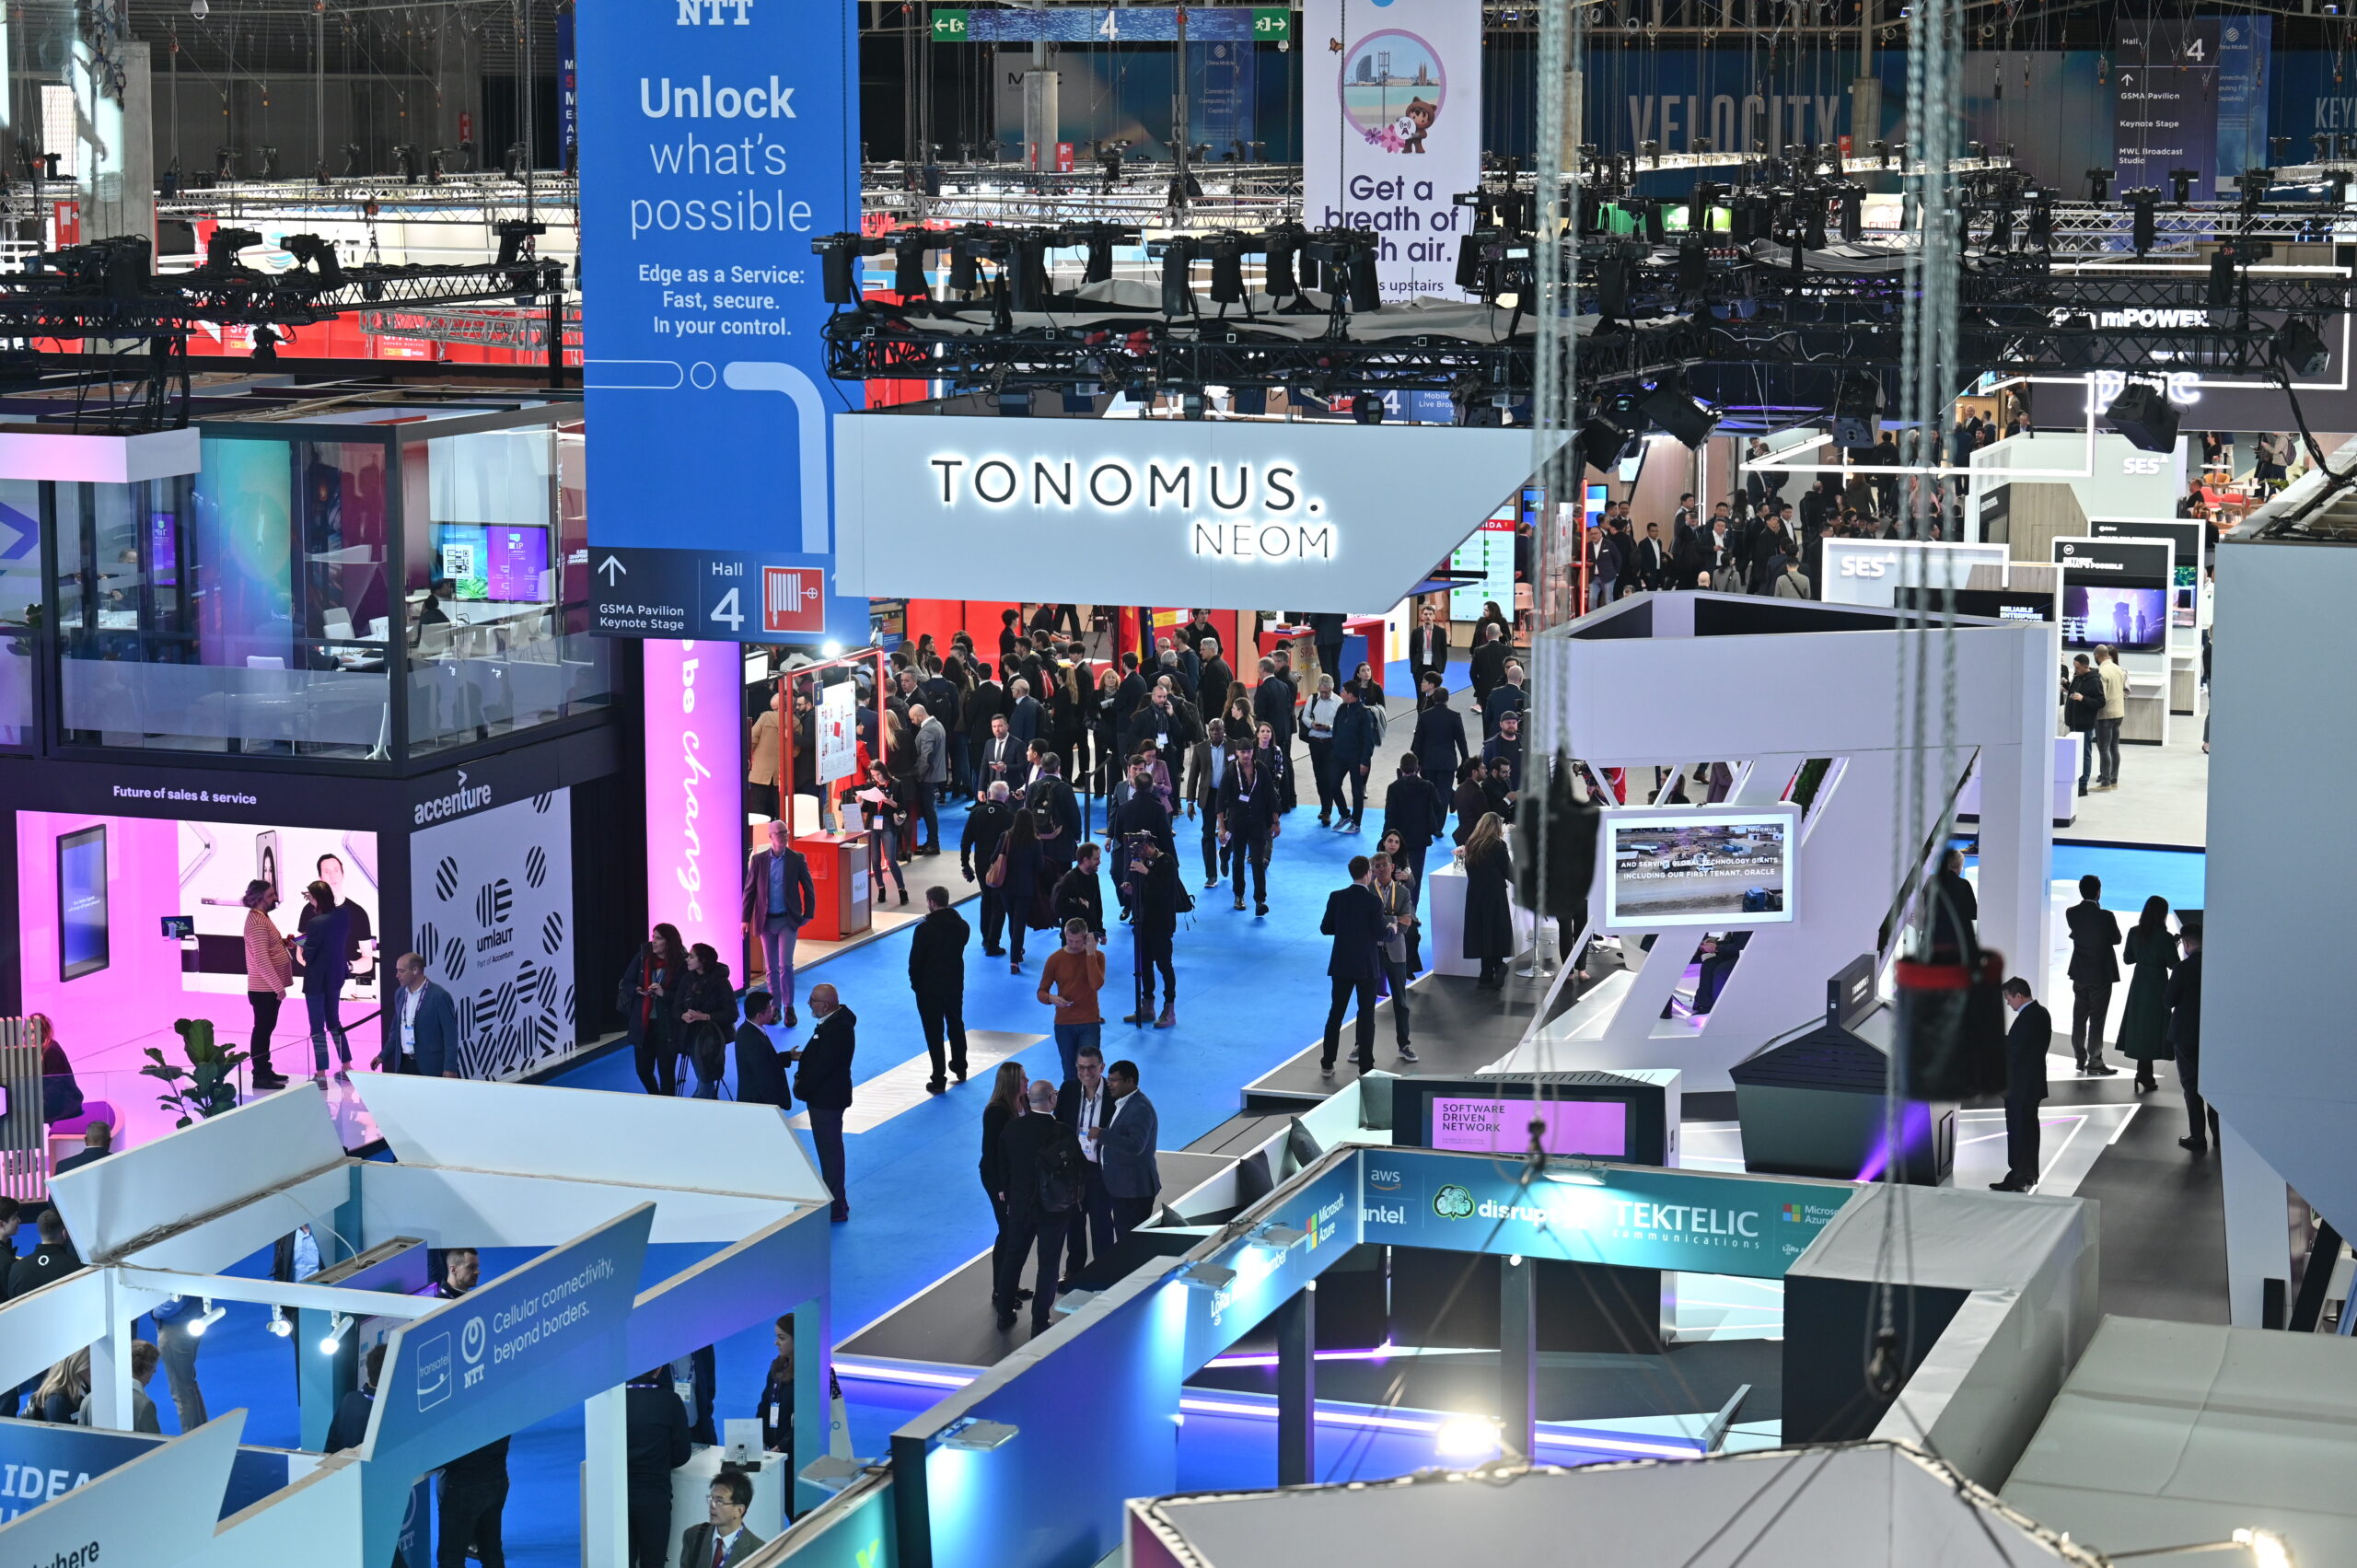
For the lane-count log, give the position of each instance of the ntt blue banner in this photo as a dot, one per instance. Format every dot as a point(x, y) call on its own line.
point(722, 146)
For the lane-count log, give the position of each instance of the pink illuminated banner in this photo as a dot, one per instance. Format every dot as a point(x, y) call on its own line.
point(695, 771)
point(1599, 1128)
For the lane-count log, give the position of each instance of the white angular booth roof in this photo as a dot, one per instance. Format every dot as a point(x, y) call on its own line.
point(2172, 1434)
point(1868, 1506)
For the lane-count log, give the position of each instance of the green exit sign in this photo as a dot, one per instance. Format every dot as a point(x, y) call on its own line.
point(1273, 23)
point(949, 26)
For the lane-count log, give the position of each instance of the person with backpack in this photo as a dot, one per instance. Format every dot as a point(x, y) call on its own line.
point(1045, 1180)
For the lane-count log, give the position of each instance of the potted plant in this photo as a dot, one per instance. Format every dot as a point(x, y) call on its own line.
point(208, 1085)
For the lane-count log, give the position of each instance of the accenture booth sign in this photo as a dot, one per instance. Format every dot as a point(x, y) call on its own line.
point(1229, 514)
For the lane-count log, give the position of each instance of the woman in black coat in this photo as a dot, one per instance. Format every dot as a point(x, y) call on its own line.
point(1006, 1104)
point(648, 1001)
point(1488, 911)
point(707, 1018)
point(1022, 854)
point(1471, 802)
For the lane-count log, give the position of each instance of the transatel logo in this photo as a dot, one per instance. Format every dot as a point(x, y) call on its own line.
point(1232, 511)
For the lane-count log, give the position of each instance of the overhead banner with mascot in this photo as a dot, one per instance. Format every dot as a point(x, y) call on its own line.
point(1391, 132)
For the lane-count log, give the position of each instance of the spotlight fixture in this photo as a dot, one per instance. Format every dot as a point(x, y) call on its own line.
point(1280, 1237)
point(1207, 1275)
point(280, 1326)
point(2181, 184)
point(205, 1319)
point(2301, 348)
point(2100, 184)
point(1672, 407)
point(2144, 414)
point(1857, 410)
point(2268, 1550)
point(1467, 1437)
point(974, 1435)
point(1367, 407)
point(332, 1340)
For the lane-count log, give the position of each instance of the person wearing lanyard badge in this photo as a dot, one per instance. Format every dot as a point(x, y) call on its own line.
point(776, 1404)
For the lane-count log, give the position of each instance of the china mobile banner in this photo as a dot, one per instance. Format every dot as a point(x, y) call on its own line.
point(1391, 131)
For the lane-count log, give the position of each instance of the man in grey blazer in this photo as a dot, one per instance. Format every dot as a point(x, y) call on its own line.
point(1126, 1146)
point(421, 1032)
point(722, 1540)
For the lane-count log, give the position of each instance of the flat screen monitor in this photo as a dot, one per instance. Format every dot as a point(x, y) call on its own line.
point(82, 947)
point(1725, 868)
point(2133, 620)
point(1590, 1114)
point(497, 562)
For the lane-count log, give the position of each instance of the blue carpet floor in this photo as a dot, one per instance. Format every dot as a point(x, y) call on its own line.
point(1251, 993)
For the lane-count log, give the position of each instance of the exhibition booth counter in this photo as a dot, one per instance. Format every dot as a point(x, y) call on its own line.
point(587, 1191)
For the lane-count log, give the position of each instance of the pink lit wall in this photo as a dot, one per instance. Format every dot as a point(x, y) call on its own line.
point(104, 1019)
point(695, 773)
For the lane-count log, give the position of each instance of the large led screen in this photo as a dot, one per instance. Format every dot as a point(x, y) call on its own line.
point(1726, 869)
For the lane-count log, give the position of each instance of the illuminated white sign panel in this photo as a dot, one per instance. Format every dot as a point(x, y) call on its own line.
point(1223, 515)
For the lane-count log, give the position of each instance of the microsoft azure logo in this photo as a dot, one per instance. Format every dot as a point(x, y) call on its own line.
point(1453, 1202)
point(1793, 1213)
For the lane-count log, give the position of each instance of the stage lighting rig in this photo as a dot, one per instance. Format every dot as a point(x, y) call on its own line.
point(2181, 184)
point(2144, 227)
point(1348, 254)
point(2099, 185)
point(1614, 429)
point(1857, 410)
point(2302, 349)
point(1670, 405)
point(839, 264)
point(2143, 415)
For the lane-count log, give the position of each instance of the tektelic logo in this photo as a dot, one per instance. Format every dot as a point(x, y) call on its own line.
point(432, 1372)
point(1453, 1202)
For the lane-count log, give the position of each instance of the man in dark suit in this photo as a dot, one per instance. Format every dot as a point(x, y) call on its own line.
point(1045, 1185)
point(1413, 809)
point(2095, 970)
point(1506, 697)
point(760, 1077)
point(1085, 1104)
point(1272, 704)
point(1354, 920)
point(937, 976)
point(2184, 1034)
point(1217, 677)
point(1652, 560)
point(1128, 694)
point(986, 825)
point(1078, 895)
point(1487, 668)
point(824, 1083)
point(1128, 1141)
point(424, 1036)
point(722, 1540)
point(1439, 738)
point(1427, 647)
point(1023, 713)
point(1000, 759)
point(2026, 1043)
point(97, 1143)
point(986, 700)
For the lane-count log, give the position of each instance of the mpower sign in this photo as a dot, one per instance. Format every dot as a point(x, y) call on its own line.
point(1224, 515)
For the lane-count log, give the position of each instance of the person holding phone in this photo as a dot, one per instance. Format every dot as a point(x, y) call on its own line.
point(1069, 983)
point(323, 953)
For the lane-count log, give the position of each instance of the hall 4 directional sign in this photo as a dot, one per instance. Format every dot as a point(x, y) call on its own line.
point(715, 596)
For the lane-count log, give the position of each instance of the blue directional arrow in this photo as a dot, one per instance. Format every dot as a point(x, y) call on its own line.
point(28, 531)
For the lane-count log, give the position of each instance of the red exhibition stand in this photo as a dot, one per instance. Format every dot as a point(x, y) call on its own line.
point(839, 881)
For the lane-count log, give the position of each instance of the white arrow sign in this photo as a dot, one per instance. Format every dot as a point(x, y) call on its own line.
point(612, 569)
